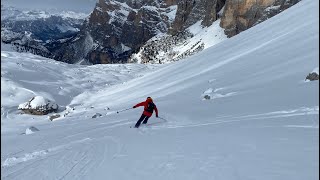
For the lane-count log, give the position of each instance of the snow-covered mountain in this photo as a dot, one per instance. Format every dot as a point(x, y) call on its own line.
point(37, 31)
point(145, 31)
point(120, 31)
point(238, 110)
point(116, 29)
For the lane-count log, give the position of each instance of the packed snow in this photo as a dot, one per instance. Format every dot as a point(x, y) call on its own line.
point(316, 70)
point(268, 128)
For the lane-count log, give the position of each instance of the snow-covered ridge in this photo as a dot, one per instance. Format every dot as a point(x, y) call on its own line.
point(11, 13)
point(38, 31)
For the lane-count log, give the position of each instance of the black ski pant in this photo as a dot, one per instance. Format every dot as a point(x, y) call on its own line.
point(143, 118)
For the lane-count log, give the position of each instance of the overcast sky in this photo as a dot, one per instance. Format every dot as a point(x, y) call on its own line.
point(73, 5)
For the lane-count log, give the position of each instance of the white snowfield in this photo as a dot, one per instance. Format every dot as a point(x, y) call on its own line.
point(262, 121)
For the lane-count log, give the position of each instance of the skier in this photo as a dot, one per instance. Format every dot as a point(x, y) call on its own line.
point(149, 106)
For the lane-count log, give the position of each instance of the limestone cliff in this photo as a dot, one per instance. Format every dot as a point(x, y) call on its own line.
point(239, 15)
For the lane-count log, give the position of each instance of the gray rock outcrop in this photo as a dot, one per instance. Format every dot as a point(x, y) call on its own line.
point(191, 11)
point(312, 76)
point(38, 105)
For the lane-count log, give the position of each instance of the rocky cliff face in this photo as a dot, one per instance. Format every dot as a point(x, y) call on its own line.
point(115, 29)
point(212, 9)
point(240, 15)
point(192, 11)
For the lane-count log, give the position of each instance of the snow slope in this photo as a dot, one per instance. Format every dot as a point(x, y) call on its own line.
point(260, 123)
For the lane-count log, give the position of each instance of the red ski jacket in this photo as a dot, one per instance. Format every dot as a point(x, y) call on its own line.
point(146, 111)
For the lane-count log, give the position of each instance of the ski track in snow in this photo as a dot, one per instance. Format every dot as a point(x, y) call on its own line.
point(29, 156)
point(303, 111)
point(143, 129)
point(82, 161)
point(79, 161)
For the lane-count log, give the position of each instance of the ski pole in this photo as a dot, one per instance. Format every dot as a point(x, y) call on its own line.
point(162, 118)
point(124, 110)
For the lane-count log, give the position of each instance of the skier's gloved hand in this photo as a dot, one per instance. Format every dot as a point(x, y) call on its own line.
point(134, 107)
